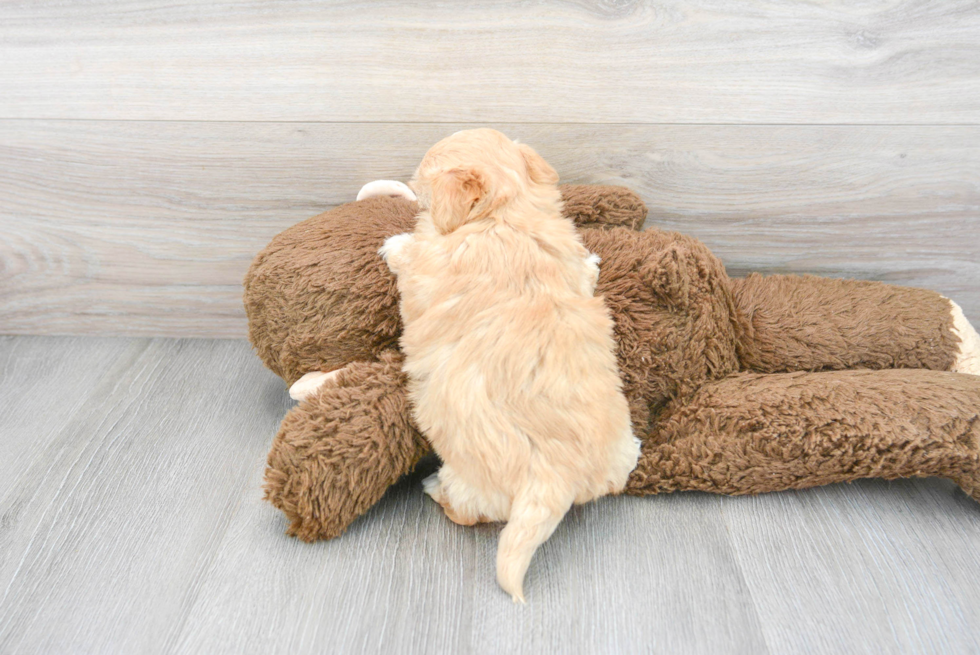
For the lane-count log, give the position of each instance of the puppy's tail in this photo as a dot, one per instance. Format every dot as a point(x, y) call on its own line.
point(534, 515)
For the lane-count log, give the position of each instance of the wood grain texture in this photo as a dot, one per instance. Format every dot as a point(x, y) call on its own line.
point(616, 576)
point(136, 525)
point(877, 561)
point(32, 414)
point(673, 61)
point(145, 228)
point(108, 529)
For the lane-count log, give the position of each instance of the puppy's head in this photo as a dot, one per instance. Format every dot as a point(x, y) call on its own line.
point(473, 173)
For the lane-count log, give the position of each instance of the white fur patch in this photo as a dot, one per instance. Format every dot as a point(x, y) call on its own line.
point(593, 261)
point(968, 358)
point(393, 245)
point(307, 385)
point(389, 188)
point(431, 486)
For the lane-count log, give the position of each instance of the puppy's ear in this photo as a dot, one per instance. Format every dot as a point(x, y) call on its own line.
point(538, 169)
point(456, 197)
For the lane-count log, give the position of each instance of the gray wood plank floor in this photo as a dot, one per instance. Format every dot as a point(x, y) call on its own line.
point(131, 520)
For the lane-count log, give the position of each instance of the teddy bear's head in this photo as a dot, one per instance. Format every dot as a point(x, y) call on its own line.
point(319, 296)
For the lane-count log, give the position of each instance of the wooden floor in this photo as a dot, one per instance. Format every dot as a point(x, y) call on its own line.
point(131, 521)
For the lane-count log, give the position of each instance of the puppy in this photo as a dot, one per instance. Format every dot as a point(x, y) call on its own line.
point(510, 359)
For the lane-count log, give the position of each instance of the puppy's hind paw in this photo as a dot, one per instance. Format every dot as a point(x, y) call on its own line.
point(433, 487)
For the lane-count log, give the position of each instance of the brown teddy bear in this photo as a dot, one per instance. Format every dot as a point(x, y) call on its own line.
point(736, 386)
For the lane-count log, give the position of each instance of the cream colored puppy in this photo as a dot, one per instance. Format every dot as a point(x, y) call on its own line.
point(511, 360)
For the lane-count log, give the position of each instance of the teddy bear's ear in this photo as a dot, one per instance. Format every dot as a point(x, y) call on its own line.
point(458, 196)
point(538, 169)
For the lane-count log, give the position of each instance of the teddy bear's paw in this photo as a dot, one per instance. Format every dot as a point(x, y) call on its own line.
point(968, 357)
point(389, 188)
point(308, 385)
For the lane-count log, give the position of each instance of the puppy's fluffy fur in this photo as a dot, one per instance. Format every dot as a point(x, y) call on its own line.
point(510, 358)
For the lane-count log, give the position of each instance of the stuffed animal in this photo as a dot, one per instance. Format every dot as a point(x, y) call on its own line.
point(736, 386)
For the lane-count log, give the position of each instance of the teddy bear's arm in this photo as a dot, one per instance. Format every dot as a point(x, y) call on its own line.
point(754, 433)
point(338, 451)
point(798, 323)
point(599, 205)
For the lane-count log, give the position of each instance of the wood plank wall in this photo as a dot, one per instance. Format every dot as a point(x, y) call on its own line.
point(149, 150)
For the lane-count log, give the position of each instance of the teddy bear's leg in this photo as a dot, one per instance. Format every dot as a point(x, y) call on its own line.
point(754, 433)
point(800, 323)
point(338, 451)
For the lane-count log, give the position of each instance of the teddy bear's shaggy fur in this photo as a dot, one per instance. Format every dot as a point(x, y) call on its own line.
point(735, 386)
